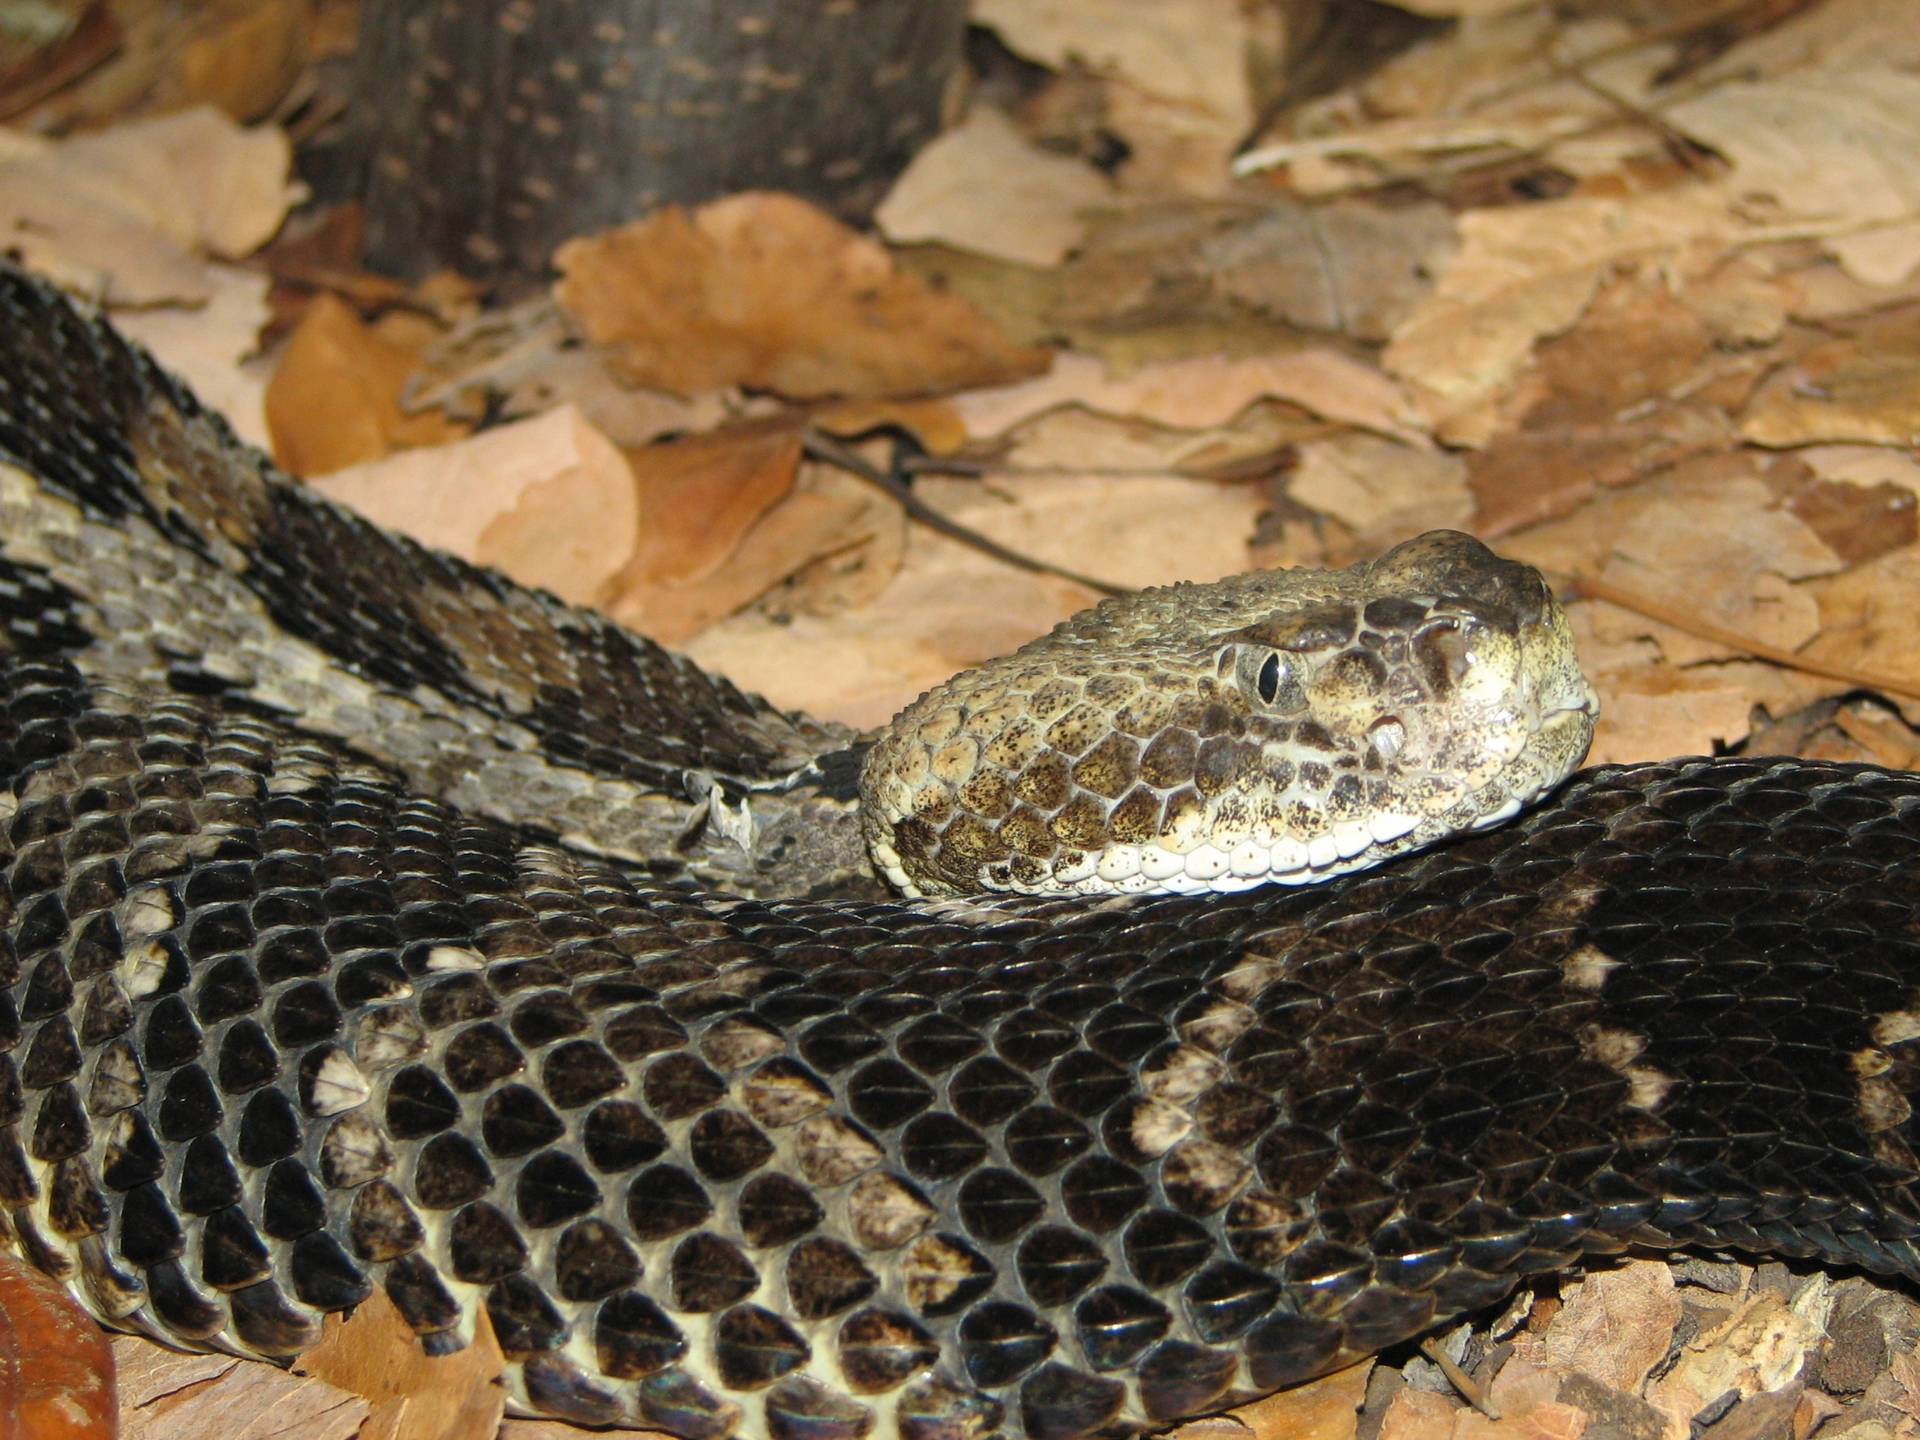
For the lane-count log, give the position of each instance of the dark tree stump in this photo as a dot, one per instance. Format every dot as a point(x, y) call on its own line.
point(492, 132)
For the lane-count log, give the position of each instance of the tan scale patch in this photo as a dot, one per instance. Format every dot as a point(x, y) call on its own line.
point(1053, 700)
point(1897, 1027)
point(1111, 689)
point(990, 720)
point(885, 1213)
point(973, 842)
point(1014, 746)
point(1080, 823)
point(1108, 769)
point(784, 1095)
point(987, 794)
point(1878, 1102)
point(933, 807)
point(1587, 968)
point(1136, 819)
point(1146, 714)
point(1025, 832)
point(831, 1152)
point(1219, 1025)
point(733, 1042)
point(1045, 783)
point(1168, 759)
point(939, 727)
point(1647, 1086)
point(1157, 1126)
point(1076, 730)
point(932, 1270)
point(354, 1151)
point(1254, 973)
point(1267, 1227)
point(955, 761)
point(1203, 1176)
point(1184, 1075)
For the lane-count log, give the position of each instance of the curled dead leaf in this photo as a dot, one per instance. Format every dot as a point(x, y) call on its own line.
point(56, 1367)
point(764, 290)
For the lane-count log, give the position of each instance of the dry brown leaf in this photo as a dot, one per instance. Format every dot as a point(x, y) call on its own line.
point(1613, 1325)
point(1596, 408)
point(1524, 272)
point(1191, 52)
point(764, 290)
point(246, 64)
point(827, 515)
point(627, 416)
point(1202, 392)
point(1419, 1415)
point(1323, 1409)
point(334, 400)
point(1729, 555)
point(1905, 1367)
point(1174, 76)
point(1381, 489)
point(1658, 710)
point(550, 501)
point(556, 1430)
point(1866, 617)
point(700, 494)
point(1527, 1401)
point(56, 1368)
point(1881, 255)
point(121, 214)
point(1351, 267)
point(700, 497)
point(523, 361)
point(1838, 391)
point(934, 423)
point(951, 607)
point(983, 187)
point(145, 1371)
point(1525, 1397)
point(164, 1396)
point(1857, 522)
point(206, 345)
point(1255, 442)
point(1834, 147)
point(414, 1396)
point(1760, 1348)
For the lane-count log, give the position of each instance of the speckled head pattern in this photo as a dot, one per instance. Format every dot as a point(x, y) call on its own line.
point(1282, 726)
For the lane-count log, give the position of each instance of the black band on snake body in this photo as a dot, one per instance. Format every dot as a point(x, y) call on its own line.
point(284, 1026)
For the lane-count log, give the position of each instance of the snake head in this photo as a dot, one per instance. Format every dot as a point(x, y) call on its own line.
point(1282, 726)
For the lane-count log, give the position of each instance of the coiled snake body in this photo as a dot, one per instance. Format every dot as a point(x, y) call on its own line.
point(372, 922)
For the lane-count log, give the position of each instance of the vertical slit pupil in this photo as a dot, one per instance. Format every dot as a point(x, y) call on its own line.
point(1268, 682)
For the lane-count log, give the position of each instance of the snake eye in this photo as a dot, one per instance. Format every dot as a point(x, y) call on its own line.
point(1266, 676)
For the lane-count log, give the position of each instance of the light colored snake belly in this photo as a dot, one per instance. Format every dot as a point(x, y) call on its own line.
point(372, 922)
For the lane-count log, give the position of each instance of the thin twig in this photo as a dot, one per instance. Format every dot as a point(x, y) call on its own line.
point(1692, 624)
point(1469, 1388)
point(821, 446)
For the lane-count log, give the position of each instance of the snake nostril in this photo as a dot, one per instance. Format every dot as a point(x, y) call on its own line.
point(1389, 736)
